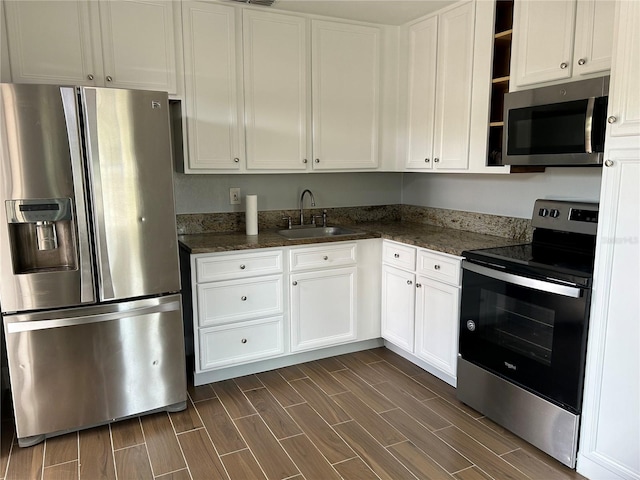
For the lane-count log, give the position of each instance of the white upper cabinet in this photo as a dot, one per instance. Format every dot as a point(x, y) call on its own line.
point(138, 44)
point(212, 106)
point(124, 43)
point(5, 68)
point(624, 101)
point(345, 95)
point(51, 42)
point(544, 49)
point(440, 83)
point(276, 91)
point(594, 36)
point(423, 51)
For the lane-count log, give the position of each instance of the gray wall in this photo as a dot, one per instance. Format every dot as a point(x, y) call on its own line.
point(510, 195)
point(210, 193)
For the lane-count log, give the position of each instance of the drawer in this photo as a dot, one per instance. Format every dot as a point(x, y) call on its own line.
point(233, 300)
point(238, 265)
point(325, 256)
point(398, 255)
point(439, 267)
point(240, 342)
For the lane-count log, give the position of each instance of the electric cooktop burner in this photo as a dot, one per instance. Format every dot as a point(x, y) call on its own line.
point(563, 242)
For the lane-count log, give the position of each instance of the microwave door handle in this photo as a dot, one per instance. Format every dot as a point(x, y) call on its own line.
point(588, 125)
point(541, 285)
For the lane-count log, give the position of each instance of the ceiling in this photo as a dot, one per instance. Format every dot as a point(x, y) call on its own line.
point(388, 12)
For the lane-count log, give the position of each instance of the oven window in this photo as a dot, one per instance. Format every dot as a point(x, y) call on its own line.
point(519, 326)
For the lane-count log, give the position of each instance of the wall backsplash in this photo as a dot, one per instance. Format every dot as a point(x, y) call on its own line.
point(509, 227)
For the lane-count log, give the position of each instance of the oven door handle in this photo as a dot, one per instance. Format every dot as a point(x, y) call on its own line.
point(541, 285)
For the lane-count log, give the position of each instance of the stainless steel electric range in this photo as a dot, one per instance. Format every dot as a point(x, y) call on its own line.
point(523, 328)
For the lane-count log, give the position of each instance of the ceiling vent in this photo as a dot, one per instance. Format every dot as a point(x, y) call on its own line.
point(264, 3)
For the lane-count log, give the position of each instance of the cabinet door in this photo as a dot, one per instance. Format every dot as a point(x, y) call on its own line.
point(138, 44)
point(211, 87)
point(437, 311)
point(51, 42)
point(346, 90)
point(423, 48)
point(542, 47)
point(594, 36)
point(398, 307)
point(610, 431)
point(624, 98)
point(323, 309)
point(5, 67)
point(453, 92)
point(276, 91)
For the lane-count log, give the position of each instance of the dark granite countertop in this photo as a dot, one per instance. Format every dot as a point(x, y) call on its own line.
point(440, 239)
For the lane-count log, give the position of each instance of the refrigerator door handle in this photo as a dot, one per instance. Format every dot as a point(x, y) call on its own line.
point(15, 326)
point(90, 110)
point(70, 106)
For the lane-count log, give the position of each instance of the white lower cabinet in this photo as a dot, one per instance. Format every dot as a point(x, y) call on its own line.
point(238, 307)
point(421, 306)
point(322, 297)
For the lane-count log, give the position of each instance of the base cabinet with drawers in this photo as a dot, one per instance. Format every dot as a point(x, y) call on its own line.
point(239, 313)
point(421, 306)
point(266, 308)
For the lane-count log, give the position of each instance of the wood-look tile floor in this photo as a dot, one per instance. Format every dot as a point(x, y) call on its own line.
point(367, 415)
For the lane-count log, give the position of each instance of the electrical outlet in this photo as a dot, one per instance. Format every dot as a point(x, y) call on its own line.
point(234, 196)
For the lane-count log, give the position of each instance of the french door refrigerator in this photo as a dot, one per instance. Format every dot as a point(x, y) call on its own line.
point(89, 276)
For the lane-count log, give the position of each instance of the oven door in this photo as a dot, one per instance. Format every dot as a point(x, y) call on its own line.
point(528, 330)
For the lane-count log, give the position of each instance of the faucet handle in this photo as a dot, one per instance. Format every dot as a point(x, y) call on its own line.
point(324, 217)
point(288, 219)
point(313, 219)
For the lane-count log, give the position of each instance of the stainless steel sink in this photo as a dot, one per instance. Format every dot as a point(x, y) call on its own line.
point(317, 232)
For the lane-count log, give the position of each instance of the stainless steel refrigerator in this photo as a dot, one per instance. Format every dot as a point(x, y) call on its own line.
point(89, 275)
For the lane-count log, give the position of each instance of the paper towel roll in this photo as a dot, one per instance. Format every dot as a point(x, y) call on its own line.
point(251, 214)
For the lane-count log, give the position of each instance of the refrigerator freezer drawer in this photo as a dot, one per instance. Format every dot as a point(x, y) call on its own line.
point(85, 366)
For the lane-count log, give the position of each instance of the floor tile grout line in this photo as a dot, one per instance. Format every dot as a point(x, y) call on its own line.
point(345, 460)
point(113, 455)
point(128, 446)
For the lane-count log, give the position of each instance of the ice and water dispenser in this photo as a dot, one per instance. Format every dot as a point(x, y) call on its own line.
point(41, 234)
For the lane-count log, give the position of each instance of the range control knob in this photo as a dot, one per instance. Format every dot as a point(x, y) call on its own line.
point(543, 212)
point(555, 213)
point(471, 325)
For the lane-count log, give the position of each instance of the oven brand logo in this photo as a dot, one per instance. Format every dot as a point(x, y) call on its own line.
point(510, 366)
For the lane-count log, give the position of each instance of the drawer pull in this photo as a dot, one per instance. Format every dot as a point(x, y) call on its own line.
point(418, 285)
point(243, 298)
point(244, 340)
point(409, 282)
point(295, 283)
point(325, 258)
point(243, 266)
point(396, 255)
point(437, 267)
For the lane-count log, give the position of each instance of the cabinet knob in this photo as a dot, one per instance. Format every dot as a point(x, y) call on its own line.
point(109, 78)
point(244, 340)
point(243, 266)
point(294, 283)
point(437, 267)
point(612, 119)
point(564, 65)
point(436, 160)
point(427, 160)
point(396, 255)
point(304, 160)
point(237, 160)
point(325, 258)
point(608, 163)
point(582, 61)
point(418, 285)
point(317, 160)
point(409, 282)
point(243, 298)
point(90, 76)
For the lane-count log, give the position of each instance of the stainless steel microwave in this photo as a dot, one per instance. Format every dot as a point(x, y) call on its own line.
point(561, 125)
